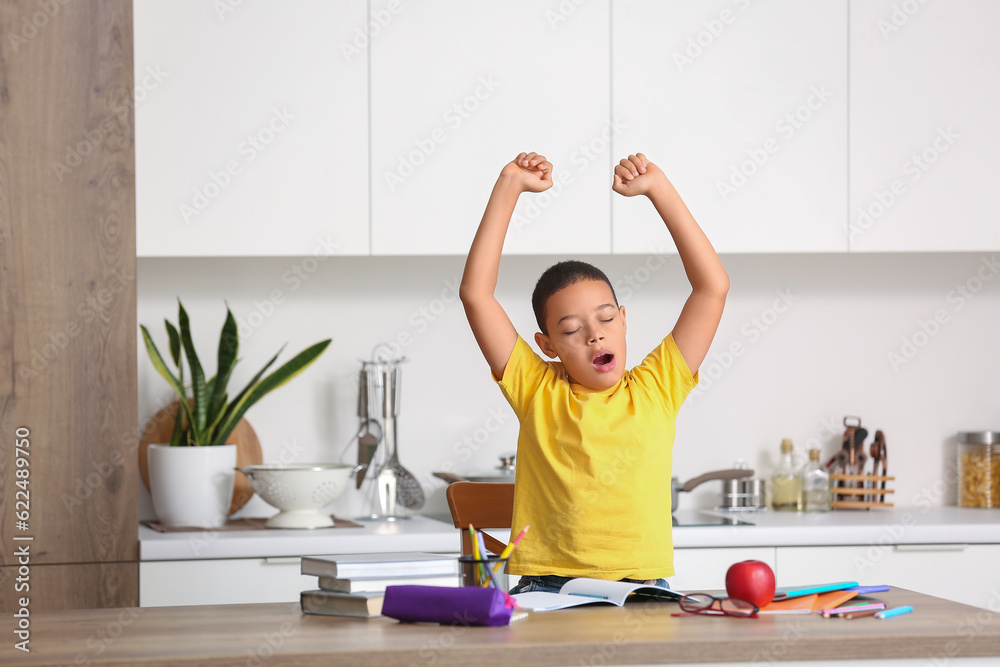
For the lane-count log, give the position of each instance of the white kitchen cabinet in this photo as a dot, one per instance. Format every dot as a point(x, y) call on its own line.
point(458, 89)
point(251, 128)
point(925, 88)
point(744, 106)
point(229, 581)
point(705, 569)
point(960, 572)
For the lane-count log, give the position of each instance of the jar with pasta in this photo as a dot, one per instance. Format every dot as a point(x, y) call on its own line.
point(979, 469)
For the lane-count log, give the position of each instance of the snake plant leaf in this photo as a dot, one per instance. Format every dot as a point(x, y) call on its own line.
point(199, 390)
point(219, 413)
point(175, 345)
point(229, 344)
point(276, 379)
point(177, 436)
point(154, 354)
point(252, 382)
point(159, 364)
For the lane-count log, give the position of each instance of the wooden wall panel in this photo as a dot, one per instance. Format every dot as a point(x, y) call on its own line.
point(73, 586)
point(67, 286)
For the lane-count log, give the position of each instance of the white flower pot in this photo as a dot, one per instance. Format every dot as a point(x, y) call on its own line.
point(192, 486)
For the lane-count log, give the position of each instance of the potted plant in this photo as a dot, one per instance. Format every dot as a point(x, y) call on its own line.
point(191, 478)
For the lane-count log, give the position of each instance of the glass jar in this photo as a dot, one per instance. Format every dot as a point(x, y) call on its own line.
point(979, 469)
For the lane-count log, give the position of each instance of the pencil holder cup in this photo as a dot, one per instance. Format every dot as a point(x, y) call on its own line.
point(474, 571)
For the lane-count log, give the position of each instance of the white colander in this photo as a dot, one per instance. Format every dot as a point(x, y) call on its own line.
point(299, 491)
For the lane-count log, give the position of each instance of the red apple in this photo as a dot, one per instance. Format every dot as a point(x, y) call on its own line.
point(751, 580)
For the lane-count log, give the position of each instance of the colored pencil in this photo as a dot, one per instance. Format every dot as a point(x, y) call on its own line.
point(509, 549)
point(853, 608)
point(898, 611)
point(492, 579)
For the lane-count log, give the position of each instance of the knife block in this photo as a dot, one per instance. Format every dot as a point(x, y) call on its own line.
point(860, 492)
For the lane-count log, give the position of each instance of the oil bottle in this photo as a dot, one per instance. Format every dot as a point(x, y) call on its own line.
point(786, 487)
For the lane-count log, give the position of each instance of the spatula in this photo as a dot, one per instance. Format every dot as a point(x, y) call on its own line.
point(367, 441)
point(407, 488)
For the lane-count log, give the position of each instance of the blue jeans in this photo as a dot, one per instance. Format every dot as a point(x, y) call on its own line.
point(551, 583)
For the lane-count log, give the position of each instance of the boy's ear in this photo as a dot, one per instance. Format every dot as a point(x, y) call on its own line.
point(545, 345)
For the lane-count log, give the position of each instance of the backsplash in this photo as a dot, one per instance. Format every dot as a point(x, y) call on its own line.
point(906, 341)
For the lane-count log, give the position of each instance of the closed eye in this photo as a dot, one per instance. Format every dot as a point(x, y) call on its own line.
point(609, 320)
point(570, 333)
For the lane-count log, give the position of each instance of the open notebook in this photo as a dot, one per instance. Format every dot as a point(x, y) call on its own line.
point(592, 591)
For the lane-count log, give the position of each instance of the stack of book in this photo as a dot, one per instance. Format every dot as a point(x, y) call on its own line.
point(354, 584)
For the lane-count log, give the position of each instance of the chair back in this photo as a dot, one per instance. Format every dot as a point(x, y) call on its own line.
point(484, 505)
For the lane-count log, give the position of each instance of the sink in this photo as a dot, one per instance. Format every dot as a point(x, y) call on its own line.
point(700, 518)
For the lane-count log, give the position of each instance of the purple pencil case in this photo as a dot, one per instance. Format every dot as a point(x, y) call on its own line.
point(467, 605)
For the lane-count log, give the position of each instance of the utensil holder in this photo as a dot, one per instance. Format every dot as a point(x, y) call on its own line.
point(472, 571)
point(381, 404)
point(861, 492)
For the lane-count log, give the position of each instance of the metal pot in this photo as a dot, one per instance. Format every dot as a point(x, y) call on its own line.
point(502, 474)
point(676, 487)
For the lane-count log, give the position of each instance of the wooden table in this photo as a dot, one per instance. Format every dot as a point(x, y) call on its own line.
point(646, 633)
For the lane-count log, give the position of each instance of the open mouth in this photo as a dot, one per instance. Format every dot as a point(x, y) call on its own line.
point(604, 361)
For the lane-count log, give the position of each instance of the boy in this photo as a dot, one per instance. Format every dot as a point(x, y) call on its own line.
point(594, 448)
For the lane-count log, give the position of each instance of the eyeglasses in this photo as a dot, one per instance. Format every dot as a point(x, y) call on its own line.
point(703, 603)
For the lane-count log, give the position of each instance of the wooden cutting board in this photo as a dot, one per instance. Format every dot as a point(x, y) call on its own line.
point(248, 451)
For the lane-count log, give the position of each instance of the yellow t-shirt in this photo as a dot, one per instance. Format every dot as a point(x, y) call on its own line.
point(594, 467)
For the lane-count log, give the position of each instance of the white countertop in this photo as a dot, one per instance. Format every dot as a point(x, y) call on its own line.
point(905, 525)
point(884, 526)
point(414, 534)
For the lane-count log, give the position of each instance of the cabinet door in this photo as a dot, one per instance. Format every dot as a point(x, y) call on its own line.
point(925, 88)
point(960, 572)
point(705, 569)
point(744, 106)
point(251, 128)
point(232, 581)
point(458, 89)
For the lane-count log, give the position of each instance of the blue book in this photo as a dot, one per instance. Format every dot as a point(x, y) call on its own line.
point(786, 592)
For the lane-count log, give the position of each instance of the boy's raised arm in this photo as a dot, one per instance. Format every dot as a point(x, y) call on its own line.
point(528, 172)
point(700, 316)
